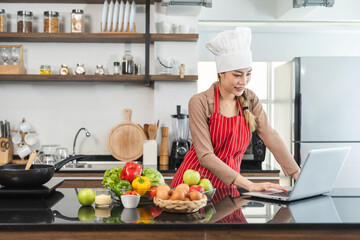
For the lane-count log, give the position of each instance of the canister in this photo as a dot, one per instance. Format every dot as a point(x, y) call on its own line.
point(24, 21)
point(2, 20)
point(77, 21)
point(51, 22)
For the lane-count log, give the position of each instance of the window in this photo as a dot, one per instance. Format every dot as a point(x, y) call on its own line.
point(261, 83)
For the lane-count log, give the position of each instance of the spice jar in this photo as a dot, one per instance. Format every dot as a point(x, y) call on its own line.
point(128, 63)
point(45, 69)
point(64, 70)
point(80, 69)
point(51, 22)
point(77, 21)
point(24, 21)
point(2, 20)
point(116, 68)
point(99, 70)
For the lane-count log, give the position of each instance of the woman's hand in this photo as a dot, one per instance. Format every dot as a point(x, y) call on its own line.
point(296, 175)
point(265, 186)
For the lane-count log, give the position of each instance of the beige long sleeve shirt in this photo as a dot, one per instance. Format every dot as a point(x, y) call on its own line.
point(201, 106)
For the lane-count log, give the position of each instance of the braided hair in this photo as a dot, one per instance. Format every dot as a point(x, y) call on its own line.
point(250, 118)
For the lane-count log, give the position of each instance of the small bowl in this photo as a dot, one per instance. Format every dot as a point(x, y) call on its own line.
point(130, 201)
point(210, 194)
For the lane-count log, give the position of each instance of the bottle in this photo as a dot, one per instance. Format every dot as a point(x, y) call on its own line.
point(24, 21)
point(64, 70)
point(116, 68)
point(80, 69)
point(51, 22)
point(2, 20)
point(45, 69)
point(77, 21)
point(128, 63)
point(99, 70)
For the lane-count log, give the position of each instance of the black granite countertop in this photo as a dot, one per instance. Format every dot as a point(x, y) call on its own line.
point(61, 210)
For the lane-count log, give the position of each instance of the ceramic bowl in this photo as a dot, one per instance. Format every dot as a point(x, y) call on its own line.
point(130, 201)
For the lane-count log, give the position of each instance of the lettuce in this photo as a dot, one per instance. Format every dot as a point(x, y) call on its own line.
point(154, 175)
point(112, 177)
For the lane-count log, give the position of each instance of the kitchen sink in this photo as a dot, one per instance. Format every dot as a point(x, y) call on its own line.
point(93, 165)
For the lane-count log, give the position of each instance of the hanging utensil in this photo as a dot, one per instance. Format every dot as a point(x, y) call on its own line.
point(31, 160)
point(2, 129)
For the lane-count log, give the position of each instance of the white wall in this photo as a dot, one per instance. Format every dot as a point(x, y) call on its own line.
point(58, 110)
point(281, 32)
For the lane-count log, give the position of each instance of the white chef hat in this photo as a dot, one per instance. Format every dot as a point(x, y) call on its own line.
point(232, 49)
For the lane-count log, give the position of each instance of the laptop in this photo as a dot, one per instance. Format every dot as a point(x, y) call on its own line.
point(317, 176)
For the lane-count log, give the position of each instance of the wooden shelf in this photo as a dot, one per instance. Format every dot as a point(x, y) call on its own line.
point(69, 1)
point(94, 37)
point(174, 37)
point(72, 78)
point(73, 37)
point(92, 78)
point(173, 78)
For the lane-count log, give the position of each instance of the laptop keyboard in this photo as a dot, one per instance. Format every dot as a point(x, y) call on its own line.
point(281, 194)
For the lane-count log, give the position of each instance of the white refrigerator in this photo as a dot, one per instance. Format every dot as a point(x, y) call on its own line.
point(317, 105)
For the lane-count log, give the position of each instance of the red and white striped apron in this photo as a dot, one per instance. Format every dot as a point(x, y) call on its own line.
point(230, 138)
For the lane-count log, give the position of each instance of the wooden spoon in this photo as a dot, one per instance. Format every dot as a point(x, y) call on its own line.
point(31, 160)
point(146, 129)
point(152, 131)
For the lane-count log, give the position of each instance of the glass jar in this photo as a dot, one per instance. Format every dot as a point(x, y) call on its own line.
point(128, 63)
point(80, 69)
point(116, 68)
point(24, 21)
point(77, 21)
point(64, 70)
point(2, 20)
point(45, 69)
point(99, 70)
point(51, 22)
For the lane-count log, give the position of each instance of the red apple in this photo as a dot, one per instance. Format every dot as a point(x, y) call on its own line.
point(196, 188)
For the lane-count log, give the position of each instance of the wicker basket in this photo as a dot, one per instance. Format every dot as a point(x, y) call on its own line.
point(180, 206)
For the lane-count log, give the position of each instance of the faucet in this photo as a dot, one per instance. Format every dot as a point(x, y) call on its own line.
point(87, 133)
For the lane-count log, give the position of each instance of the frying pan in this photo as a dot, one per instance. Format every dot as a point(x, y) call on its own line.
point(15, 175)
point(126, 140)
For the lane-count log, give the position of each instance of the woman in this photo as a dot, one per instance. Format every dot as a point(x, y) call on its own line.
point(222, 118)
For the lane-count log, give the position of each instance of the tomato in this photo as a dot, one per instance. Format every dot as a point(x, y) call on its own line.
point(152, 192)
point(131, 193)
point(155, 211)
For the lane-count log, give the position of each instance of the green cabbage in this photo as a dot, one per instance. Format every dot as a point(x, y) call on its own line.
point(154, 175)
point(112, 177)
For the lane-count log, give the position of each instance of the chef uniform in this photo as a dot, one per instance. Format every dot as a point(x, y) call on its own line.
point(219, 142)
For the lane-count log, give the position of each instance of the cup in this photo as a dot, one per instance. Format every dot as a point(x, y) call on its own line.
point(48, 159)
point(30, 139)
point(165, 27)
point(175, 28)
point(102, 198)
point(25, 126)
point(158, 27)
point(16, 138)
point(49, 149)
point(184, 29)
point(23, 151)
point(61, 154)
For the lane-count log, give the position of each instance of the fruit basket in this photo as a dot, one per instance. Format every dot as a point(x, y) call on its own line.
point(180, 206)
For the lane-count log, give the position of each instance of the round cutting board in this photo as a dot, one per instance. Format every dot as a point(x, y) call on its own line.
point(126, 140)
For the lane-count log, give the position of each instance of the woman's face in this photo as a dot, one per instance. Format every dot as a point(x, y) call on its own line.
point(234, 82)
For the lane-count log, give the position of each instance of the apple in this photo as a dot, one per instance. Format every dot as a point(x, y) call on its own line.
point(86, 196)
point(206, 184)
point(196, 188)
point(191, 177)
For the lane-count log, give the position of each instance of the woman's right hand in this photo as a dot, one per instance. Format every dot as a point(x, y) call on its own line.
point(264, 186)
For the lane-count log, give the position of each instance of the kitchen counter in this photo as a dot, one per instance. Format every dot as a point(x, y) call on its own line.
point(227, 216)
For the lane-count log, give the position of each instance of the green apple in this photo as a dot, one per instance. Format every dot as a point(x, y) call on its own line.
point(86, 196)
point(191, 177)
point(86, 213)
point(206, 184)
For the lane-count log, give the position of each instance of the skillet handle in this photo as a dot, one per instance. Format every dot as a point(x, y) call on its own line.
point(65, 161)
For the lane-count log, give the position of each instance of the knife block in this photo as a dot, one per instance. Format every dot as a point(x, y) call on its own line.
point(6, 156)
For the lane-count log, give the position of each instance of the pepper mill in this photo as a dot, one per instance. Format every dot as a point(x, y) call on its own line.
point(164, 151)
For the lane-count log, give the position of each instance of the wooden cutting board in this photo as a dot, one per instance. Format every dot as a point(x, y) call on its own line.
point(126, 140)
